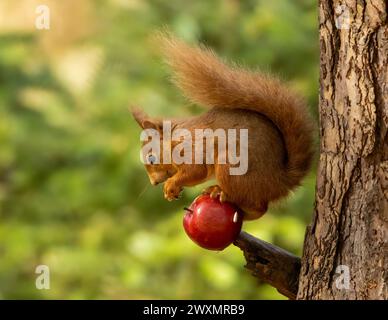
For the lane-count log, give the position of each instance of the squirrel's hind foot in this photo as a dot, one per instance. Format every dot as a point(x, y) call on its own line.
point(249, 213)
point(216, 191)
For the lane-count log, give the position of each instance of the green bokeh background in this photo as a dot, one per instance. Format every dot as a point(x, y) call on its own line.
point(73, 193)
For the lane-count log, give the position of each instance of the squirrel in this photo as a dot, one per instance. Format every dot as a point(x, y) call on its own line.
point(280, 129)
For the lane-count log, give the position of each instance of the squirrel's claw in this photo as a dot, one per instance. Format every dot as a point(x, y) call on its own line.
point(222, 197)
point(214, 192)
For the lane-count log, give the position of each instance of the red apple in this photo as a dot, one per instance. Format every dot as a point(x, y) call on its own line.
point(211, 224)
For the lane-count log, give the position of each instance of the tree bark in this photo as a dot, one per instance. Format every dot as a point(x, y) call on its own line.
point(345, 250)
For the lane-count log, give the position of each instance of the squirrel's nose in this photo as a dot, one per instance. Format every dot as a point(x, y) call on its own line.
point(154, 183)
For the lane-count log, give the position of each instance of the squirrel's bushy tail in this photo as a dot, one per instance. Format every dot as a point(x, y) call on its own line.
point(207, 80)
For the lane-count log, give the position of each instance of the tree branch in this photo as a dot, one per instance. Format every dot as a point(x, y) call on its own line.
point(270, 264)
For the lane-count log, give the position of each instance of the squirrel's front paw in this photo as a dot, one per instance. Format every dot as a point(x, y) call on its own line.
point(171, 190)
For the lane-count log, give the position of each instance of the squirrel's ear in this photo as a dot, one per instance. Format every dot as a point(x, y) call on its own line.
point(152, 124)
point(144, 120)
point(138, 115)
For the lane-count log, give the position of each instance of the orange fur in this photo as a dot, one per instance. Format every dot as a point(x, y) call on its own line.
point(280, 127)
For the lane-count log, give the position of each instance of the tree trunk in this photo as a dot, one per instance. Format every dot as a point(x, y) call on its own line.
point(345, 251)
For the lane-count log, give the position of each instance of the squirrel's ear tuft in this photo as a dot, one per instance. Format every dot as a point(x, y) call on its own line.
point(144, 120)
point(139, 115)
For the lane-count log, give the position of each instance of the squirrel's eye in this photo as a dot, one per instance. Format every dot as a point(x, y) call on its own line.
point(151, 159)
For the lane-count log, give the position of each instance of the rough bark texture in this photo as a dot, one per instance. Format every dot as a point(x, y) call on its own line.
point(270, 264)
point(351, 212)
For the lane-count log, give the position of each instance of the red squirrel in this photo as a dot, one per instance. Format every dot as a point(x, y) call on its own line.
point(280, 140)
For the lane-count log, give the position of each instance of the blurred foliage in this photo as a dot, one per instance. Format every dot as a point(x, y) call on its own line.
point(73, 193)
